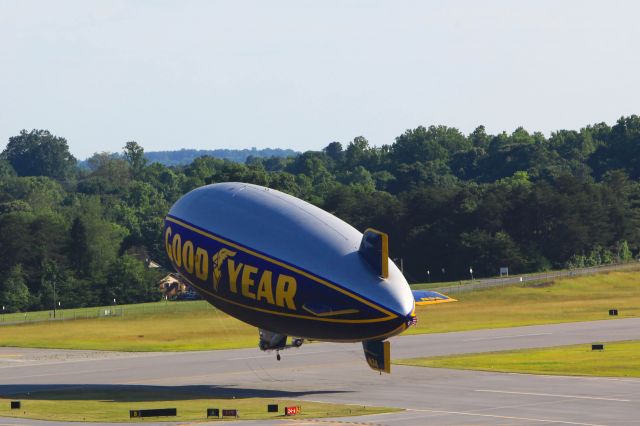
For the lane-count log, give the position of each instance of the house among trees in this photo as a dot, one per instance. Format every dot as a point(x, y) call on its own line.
point(172, 286)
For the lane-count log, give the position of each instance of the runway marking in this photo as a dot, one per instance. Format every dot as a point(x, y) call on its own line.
point(495, 416)
point(506, 337)
point(589, 378)
point(599, 398)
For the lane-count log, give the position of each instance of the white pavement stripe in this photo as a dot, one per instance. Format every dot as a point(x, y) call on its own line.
point(506, 337)
point(495, 416)
point(584, 378)
point(599, 398)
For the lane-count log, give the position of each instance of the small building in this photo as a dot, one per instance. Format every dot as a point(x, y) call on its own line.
point(172, 286)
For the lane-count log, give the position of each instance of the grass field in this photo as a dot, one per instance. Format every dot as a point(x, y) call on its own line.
point(111, 405)
point(573, 299)
point(171, 326)
point(619, 359)
point(135, 310)
point(177, 326)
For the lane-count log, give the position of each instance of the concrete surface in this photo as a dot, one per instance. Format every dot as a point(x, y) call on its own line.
point(338, 373)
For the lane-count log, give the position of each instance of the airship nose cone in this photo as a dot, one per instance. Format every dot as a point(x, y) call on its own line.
point(400, 295)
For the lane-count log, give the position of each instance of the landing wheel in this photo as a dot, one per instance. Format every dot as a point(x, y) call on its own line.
point(278, 356)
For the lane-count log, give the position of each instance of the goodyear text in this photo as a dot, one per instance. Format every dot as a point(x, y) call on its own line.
point(243, 280)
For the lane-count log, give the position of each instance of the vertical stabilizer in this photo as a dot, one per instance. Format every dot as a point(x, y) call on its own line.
point(374, 247)
point(378, 355)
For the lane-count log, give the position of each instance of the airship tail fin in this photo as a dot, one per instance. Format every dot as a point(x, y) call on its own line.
point(374, 247)
point(378, 355)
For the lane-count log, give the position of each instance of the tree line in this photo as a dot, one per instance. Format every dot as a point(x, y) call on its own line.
point(186, 156)
point(449, 201)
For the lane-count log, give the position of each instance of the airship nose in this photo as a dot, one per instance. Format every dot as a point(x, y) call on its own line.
point(400, 295)
point(408, 302)
point(409, 306)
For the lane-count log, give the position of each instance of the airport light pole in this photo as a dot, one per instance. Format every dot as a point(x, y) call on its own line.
point(471, 273)
point(429, 275)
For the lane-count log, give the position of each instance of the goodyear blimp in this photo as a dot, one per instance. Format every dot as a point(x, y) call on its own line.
point(290, 269)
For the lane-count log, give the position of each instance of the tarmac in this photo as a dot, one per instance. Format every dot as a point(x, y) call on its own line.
point(338, 373)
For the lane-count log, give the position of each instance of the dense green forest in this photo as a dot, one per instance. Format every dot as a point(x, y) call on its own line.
point(449, 201)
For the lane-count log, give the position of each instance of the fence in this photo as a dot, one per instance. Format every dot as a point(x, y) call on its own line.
point(531, 278)
point(122, 311)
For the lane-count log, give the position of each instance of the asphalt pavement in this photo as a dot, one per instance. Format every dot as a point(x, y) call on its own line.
point(338, 373)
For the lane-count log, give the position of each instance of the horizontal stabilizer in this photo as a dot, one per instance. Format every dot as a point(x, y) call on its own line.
point(374, 247)
point(378, 355)
point(427, 297)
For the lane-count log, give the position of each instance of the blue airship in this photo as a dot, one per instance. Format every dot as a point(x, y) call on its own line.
point(289, 268)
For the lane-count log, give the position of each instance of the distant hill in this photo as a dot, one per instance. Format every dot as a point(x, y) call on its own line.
point(186, 156)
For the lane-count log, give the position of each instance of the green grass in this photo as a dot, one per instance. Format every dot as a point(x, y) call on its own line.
point(174, 326)
point(567, 300)
point(179, 326)
point(619, 359)
point(134, 310)
point(113, 405)
point(534, 277)
point(463, 284)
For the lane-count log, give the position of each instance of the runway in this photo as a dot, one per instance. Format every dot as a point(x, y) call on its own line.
point(337, 373)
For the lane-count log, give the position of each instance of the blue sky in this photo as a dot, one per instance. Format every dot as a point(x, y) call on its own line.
point(300, 74)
